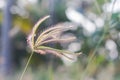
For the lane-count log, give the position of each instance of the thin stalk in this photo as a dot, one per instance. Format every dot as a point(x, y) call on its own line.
point(97, 6)
point(26, 66)
point(93, 54)
point(109, 16)
point(99, 42)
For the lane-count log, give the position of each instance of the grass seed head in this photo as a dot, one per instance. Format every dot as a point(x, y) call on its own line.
point(49, 35)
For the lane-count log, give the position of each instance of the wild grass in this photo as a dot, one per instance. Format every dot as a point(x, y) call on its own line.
point(52, 34)
point(105, 29)
point(36, 44)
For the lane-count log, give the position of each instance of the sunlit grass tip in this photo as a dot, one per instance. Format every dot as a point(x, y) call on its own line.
point(52, 34)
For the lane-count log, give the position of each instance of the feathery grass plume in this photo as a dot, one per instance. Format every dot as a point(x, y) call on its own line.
point(49, 35)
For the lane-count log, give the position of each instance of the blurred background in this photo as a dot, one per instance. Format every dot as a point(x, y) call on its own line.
point(96, 26)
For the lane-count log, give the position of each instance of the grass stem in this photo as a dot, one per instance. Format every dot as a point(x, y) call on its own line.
point(101, 39)
point(26, 66)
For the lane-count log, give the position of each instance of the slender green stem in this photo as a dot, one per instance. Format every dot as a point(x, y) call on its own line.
point(109, 16)
point(92, 55)
point(21, 77)
point(102, 37)
point(97, 6)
